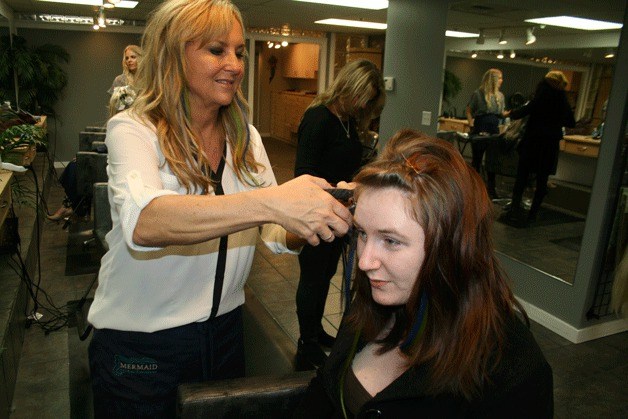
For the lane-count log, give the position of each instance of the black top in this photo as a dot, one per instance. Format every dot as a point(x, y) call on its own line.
point(324, 149)
point(549, 111)
point(520, 387)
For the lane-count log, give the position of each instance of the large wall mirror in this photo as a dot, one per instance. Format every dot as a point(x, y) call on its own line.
point(552, 243)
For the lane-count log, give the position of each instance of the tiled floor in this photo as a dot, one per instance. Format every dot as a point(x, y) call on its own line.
point(590, 378)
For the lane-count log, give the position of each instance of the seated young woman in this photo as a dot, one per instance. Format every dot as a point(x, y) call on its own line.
point(433, 329)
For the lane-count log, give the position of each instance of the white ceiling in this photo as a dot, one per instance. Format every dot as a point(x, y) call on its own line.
point(464, 15)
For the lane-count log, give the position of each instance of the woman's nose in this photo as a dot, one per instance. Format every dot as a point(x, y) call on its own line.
point(367, 257)
point(233, 63)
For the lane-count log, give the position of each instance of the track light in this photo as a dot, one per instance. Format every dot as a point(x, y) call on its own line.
point(609, 54)
point(512, 53)
point(480, 39)
point(474, 54)
point(530, 38)
point(102, 21)
point(500, 55)
point(502, 41)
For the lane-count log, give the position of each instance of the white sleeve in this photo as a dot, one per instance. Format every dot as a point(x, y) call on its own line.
point(136, 175)
point(273, 235)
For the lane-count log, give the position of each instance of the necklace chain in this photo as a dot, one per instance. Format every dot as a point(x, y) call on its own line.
point(343, 125)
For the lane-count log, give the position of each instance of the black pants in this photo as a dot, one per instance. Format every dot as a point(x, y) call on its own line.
point(524, 170)
point(488, 125)
point(318, 265)
point(136, 375)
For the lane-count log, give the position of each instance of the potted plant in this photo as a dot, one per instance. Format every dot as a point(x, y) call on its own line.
point(451, 87)
point(40, 77)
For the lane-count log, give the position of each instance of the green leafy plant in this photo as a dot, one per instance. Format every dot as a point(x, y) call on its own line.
point(451, 87)
point(21, 135)
point(39, 75)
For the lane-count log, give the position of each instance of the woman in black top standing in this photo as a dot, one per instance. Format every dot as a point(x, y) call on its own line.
point(549, 111)
point(484, 111)
point(329, 147)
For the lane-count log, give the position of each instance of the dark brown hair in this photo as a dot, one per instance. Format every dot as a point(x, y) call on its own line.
point(469, 301)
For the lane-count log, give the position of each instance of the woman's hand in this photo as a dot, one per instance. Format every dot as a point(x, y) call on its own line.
point(302, 207)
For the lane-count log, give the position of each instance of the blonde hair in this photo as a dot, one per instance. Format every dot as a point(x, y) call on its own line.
point(490, 85)
point(163, 97)
point(130, 77)
point(557, 79)
point(358, 89)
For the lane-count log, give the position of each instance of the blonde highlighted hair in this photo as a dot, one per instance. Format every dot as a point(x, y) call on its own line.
point(163, 98)
point(490, 86)
point(358, 89)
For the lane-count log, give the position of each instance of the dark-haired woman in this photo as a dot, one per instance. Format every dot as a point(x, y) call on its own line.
point(434, 330)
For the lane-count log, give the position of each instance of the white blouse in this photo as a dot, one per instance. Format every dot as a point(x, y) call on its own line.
point(149, 289)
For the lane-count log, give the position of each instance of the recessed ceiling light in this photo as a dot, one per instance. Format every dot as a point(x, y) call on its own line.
point(353, 23)
point(361, 4)
point(458, 34)
point(576, 23)
point(123, 4)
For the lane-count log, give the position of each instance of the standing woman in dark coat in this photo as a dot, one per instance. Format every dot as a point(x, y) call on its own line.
point(329, 147)
point(549, 111)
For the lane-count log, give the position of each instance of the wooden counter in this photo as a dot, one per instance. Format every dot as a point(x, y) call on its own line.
point(287, 108)
point(580, 145)
point(453, 124)
point(5, 194)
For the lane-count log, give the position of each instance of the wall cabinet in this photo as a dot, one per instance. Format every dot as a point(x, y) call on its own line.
point(373, 55)
point(301, 61)
point(287, 108)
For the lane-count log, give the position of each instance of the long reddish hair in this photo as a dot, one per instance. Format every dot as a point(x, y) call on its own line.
point(469, 300)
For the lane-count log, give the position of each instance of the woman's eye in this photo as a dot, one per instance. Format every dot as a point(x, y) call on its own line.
point(392, 242)
point(216, 51)
point(240, 55)
point(361, 234)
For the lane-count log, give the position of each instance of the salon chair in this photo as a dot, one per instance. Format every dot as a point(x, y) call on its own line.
point(86, 138)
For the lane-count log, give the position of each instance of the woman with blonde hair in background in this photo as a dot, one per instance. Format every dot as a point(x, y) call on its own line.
point(191, 189)
point(330, 147)
point(130, 59)
point(484, 111)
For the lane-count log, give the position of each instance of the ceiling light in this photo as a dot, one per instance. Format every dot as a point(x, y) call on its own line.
point(480, 39)
point(277, 46)
point(353, 23)
point(530, 38)
point(458, 34)
point(284, 44)
point(108, 5)
point(271, 44)
point(126, 4)
point(576, 23)
point(500, 55)
point(474, 54)
point(502, 41)
point(512, 53)
point(361, 4)
point(113, 1)
point(118, 3)
point(609, 54)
